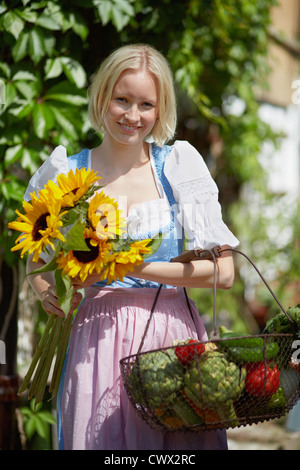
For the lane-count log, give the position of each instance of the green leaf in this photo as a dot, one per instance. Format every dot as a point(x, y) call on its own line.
point(64, 290)
point(4, 70)
point(74, 238)
point(47, 22)
point(51, 265)
point(125, 6)
point(47, 417)
point(66, 92)
point(53, 68)
point(64, 122)
point(78, 25)
point(75, 100)
point(154, 244)
point(3, 8)
point(28, 89)
point(119, 19)
point(59, 282)
point(13, 23)
point(10, 94)
point(27, 15)
point(20, 49)
point(41, 427)
point(24, 75)
point(104, 10)
point(30, 427)
point(49, 43)
point(12, 154)
point(43, 119)
point(73, 71)
point(36, 46)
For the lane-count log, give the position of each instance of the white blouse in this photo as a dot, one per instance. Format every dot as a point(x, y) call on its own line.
point(198, 209)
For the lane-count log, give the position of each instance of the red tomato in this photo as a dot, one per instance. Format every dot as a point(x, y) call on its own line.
point(262, 380)
point(187, 352)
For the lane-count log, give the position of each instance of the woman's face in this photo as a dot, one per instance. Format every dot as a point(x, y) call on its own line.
point(133, 108)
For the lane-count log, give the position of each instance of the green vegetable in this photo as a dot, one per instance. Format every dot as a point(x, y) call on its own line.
point(277, 400)
point(280, 324)
point(156, 381)
point(246, 341)
point(155, 378)
point(179, 414)
point(185, 412)
point(246, 349)
point(256, 354)
point(215, 383)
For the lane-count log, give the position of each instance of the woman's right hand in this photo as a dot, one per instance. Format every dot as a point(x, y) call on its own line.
point(50, 303)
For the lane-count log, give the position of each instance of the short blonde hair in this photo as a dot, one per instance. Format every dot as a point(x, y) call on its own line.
point(135, 57)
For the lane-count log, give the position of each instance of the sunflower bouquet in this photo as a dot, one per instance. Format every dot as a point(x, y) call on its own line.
point(82, 232)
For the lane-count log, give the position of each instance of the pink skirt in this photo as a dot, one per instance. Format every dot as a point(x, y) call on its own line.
point(95, 410)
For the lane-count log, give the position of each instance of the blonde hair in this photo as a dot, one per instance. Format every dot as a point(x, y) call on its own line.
point(135, 57)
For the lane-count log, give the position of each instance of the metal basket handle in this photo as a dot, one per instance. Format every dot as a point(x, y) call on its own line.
point(211, 254)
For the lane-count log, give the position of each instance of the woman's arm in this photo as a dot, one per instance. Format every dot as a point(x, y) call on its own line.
point(198, 273)
point(43, 285)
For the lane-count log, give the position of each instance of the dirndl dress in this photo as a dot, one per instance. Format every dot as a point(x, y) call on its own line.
point(93, 409)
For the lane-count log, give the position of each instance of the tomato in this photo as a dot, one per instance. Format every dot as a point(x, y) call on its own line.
point(187, 352)
point(262, 380)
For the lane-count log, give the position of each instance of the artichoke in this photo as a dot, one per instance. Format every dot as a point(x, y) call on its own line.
point(215, 383)
point(155, 378)
point(155, 382)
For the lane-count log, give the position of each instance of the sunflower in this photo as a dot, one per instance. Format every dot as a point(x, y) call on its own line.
point(105, 216)
point(40, 224)
point(120, 263)
point(83, 263)
point(71, 187)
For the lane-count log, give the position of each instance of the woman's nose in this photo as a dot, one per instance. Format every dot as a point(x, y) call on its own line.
point(132, 113)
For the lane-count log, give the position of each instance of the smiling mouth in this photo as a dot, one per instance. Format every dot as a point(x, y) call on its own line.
point(128, 128)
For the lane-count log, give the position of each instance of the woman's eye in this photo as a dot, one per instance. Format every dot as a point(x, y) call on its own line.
point(148, 105)
point(122, 100)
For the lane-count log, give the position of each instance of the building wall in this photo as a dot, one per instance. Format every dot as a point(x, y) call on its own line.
point(283, 63)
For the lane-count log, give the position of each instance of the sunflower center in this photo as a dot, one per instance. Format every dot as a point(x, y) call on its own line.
point(87, 256)
point(40, 224)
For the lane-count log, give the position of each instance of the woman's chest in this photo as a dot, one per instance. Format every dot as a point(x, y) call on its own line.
point(132, 188)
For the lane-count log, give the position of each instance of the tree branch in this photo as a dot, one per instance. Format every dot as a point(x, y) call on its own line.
point(290, 45)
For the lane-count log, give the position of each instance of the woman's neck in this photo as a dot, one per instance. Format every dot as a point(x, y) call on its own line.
point(123, 157)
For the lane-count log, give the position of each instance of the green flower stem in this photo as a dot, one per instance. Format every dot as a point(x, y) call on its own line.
point(61, 354)
point(43, 371)
point(38, 353)
point(40, 366)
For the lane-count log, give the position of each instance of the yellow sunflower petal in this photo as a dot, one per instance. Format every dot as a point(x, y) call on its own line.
point(39, 225)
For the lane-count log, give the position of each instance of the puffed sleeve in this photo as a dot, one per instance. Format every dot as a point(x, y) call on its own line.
point(55, 164)
point(196, 195)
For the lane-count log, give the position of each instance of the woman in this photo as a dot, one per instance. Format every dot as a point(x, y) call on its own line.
point(160, 189)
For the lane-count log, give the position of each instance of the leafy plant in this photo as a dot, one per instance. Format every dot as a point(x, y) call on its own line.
point(37, 421)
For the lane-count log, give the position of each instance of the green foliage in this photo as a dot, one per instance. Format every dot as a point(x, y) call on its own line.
point(37, 423)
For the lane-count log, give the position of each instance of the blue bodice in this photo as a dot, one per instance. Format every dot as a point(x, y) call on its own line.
point(173, 236)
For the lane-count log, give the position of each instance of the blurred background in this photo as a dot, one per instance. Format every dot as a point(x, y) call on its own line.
point(236, 69)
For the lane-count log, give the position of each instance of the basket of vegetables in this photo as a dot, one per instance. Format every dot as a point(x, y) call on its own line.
point(229, 381)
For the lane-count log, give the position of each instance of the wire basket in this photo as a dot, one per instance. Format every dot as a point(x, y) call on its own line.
point(226, 382)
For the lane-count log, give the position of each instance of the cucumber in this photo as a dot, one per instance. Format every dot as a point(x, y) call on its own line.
point(245, 340)
point(246, 348)
point(256, 354)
